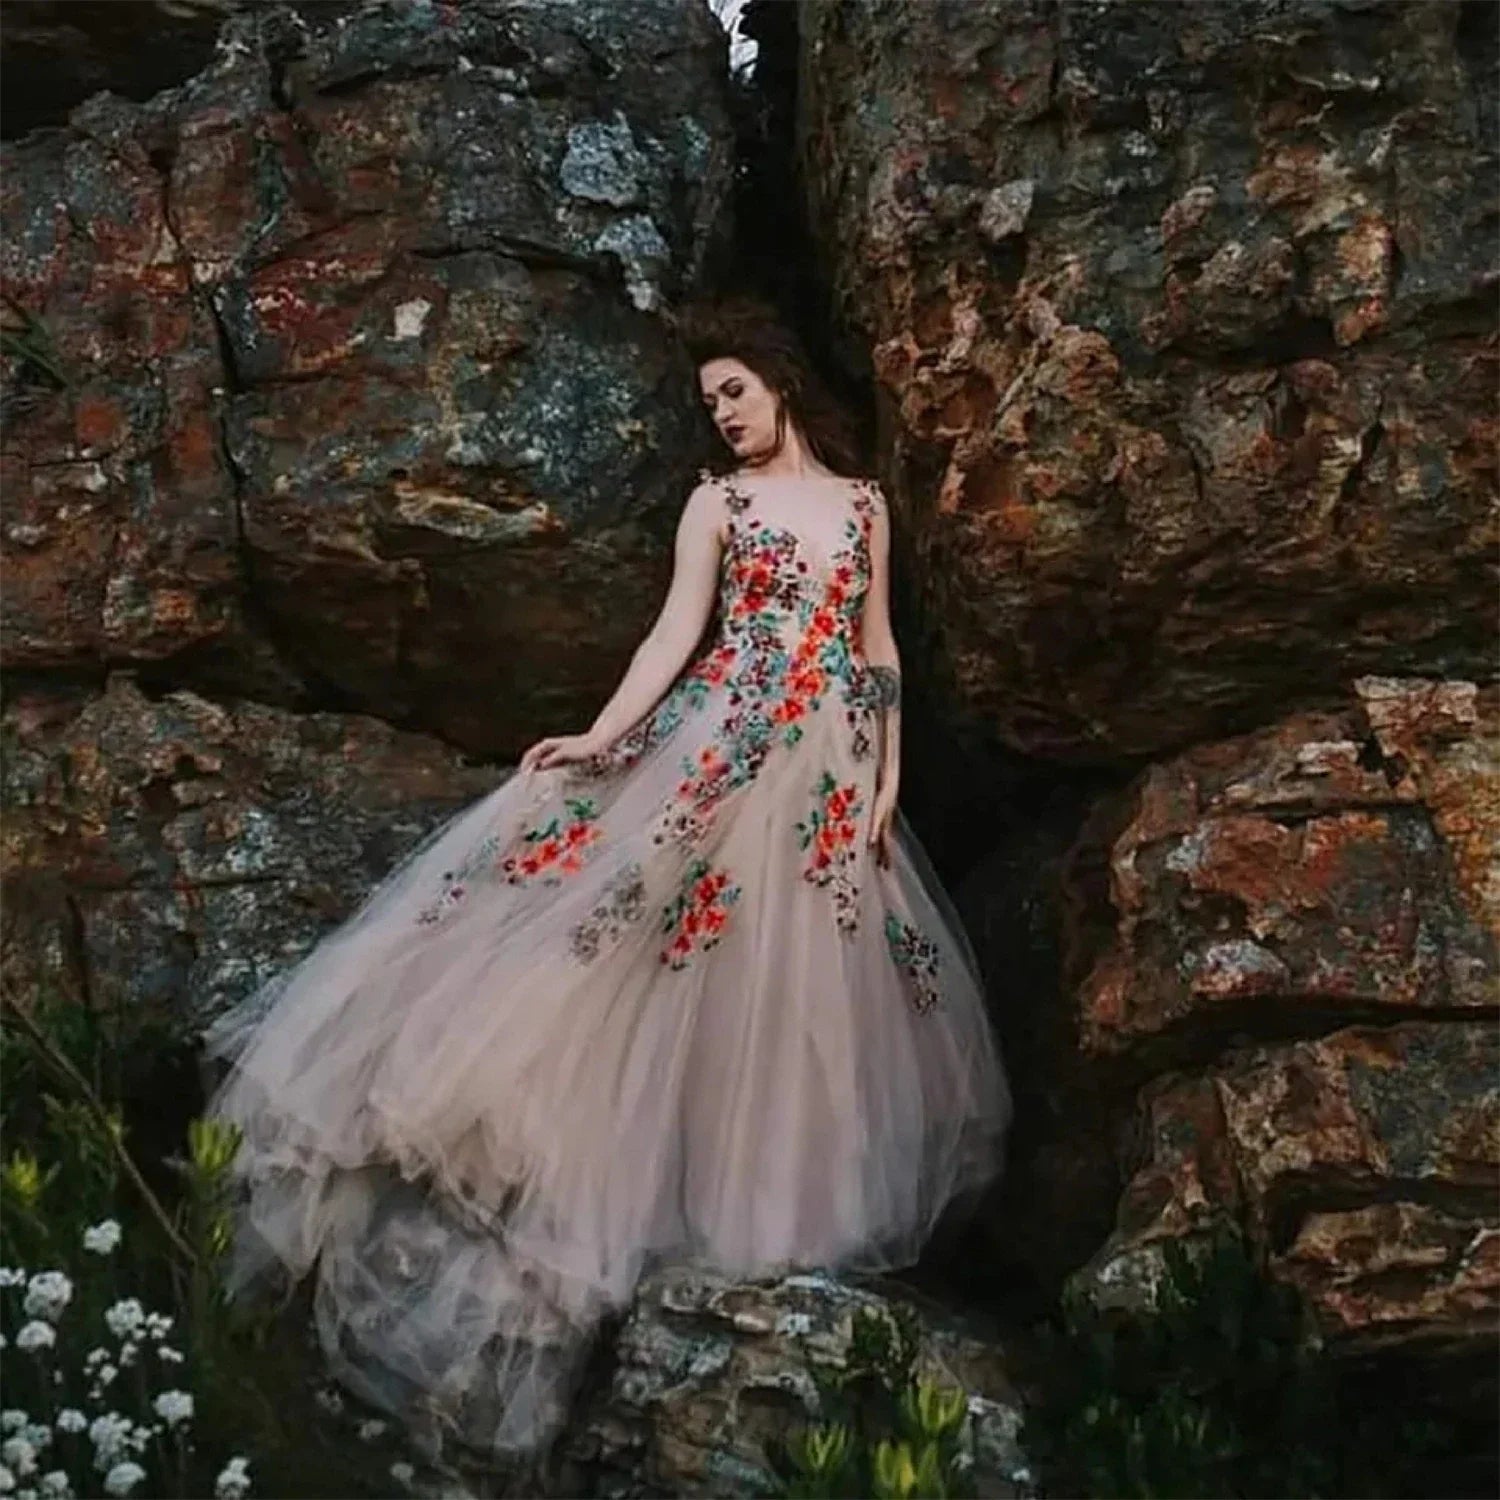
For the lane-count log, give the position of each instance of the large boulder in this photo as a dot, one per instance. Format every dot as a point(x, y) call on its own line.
point(1336, 864)
point(338, 373)
point(1294, 935)
point(163, 858)
point(1184, 322)
point(706, 1370)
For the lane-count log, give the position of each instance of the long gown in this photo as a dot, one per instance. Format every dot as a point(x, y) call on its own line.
point(660, 1006)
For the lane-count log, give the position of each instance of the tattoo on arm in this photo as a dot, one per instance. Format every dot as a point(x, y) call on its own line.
point(887, 683)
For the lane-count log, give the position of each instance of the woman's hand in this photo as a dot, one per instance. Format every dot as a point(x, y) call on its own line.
point(882, 816)
point(560, 750)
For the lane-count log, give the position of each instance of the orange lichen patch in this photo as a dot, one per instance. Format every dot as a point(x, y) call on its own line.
point(1351, 326)
point(1326, 843)
point(1445, 737)
point(991, 488)
point(1364, 252)
point(1105, 1001)
point(1252, 859)
point(194, 448)
point(99, 422)
point(173, 607)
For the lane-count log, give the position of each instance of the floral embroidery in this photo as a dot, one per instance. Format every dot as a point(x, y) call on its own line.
point(772, 685)
point(622, 903)
point(859, 737)
point(690, 692)
point(918, 956)
point(557, 847)
point(456, 882)
point(696, 917)
point(832, 833)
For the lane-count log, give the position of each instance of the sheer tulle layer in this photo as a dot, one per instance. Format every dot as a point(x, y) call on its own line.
point(572, 1035)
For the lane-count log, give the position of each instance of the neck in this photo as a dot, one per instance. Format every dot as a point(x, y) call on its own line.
point(794, 460)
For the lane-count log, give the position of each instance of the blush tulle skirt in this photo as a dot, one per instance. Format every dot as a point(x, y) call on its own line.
point(668, 1009)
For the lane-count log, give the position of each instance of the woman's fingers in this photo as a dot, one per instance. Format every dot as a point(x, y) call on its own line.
point(535, 756)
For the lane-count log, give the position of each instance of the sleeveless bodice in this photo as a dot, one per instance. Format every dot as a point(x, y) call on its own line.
point(778, 592)
point(784, 648)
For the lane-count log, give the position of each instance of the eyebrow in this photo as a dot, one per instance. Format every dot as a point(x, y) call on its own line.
point(720, 386)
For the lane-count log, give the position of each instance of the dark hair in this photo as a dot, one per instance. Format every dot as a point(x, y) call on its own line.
point(748, 330)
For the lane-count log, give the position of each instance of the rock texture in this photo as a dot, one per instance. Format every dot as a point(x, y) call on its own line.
point(707, 1369)
point(340, 377)
point(1333, 863)
point(1305, 921)
point(1184, 319)
point(163, 857)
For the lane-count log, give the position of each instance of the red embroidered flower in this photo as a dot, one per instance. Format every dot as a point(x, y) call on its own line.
point(555, 848)
point(829, 834)
point(698, 915)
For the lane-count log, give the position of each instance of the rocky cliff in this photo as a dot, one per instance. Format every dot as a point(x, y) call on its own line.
point(343, 438)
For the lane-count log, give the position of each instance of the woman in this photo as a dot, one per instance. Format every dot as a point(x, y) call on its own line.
point(683, 989)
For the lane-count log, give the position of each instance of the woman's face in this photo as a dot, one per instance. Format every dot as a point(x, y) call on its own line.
point(741, 405)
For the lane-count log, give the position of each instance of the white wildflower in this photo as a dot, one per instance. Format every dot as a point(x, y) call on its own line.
point(47, 1295)
point(123, 1478)
point(95, 1357)
point(233, 1482)
point(70, 1419)
point(125, 1317)
point(12, 1276)
point(101, 1238)
point(168, 1353)
point(108, 1434)
point(7, 1480)
point(36, 1336)
point(128, 1352)
point(173, 1407)
point(19, 1456)
point(13, 1419)
point(402, 1472)
point(158, 1324)
point(370, 1430)
point(38, 1434)
point(55, 1486)
point(104, 1376)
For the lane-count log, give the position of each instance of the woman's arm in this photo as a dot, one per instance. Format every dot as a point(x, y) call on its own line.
point(884, 659)
point(689, 603)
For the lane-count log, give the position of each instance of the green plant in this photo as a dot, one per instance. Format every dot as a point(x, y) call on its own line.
point(127, 1369)
point(1221, 1390)
point(25, 338)
point(887, 1432)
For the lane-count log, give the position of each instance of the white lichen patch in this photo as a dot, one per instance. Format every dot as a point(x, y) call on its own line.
point(643, 254)
point(411, 318)
point(603, 164)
